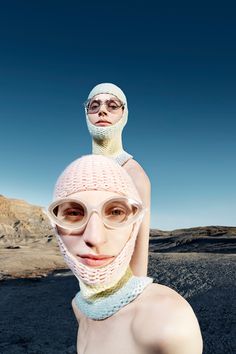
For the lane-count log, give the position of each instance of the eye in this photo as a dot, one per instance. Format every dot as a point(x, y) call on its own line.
point(94, 105)
point(73, 214)
point(113, 104)
point(116, 212)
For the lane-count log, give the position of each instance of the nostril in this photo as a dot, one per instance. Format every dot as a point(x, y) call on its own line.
point(89, 244)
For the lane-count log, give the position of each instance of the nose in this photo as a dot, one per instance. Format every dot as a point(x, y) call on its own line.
point(94, 234)
point(102, 110)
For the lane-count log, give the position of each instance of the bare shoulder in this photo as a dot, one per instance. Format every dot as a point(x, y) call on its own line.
point(77, 312)
point(135, 169)
point(137, 173)
point(165, 322)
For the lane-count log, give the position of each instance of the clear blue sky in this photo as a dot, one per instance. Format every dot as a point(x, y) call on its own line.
point(176, 64)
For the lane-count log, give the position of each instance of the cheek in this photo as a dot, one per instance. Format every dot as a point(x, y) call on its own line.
point(116, 116)
point(92, 118)
point(72, 243)
point(120, 237)
point(61, 231)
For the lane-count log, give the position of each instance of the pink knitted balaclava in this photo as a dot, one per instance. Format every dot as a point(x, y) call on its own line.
point(98, 173)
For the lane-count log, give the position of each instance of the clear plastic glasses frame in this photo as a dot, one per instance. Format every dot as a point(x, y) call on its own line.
point(87, 105)
point(135, 210)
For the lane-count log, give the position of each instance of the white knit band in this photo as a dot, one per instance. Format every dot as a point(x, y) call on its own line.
point(108, 88)
point(107, 140)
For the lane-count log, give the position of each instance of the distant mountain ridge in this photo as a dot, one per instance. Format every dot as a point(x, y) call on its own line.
point(214, 231)
point(214, 239)
point(23, 224)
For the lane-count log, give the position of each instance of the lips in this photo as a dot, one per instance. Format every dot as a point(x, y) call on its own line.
point(102, 123)
point(95, 261)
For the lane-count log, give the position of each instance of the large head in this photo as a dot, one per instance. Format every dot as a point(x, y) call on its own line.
point(97, 212)
point(106, 111)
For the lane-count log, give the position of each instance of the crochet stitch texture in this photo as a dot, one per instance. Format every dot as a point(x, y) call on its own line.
point(101, 278)
point(106, 307)
point(107, 141)
point(94, 173)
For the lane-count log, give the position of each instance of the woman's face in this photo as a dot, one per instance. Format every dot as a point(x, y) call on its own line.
point(108, 110)
point(96, 245)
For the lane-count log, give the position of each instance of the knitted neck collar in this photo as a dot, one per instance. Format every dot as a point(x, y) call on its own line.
point(112, 300)
point(107, 141)
point(91, 292)
point(104, 293)
point(121, 158)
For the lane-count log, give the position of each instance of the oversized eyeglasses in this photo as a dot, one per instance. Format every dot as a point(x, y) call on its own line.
point(93, 106)
point(74, 214)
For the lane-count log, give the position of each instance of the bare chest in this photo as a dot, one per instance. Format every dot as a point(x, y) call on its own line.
point(106, 337)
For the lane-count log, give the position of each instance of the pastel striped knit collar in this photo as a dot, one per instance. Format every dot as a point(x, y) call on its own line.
point(105, 307)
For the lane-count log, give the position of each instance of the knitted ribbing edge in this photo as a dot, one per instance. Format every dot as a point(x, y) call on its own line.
point(106, 307)
point(122, 158)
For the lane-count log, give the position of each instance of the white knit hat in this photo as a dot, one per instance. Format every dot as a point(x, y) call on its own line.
point(108, 88)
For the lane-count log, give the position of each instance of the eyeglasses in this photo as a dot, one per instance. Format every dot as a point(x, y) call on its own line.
point(74, 214)
point(93, 106)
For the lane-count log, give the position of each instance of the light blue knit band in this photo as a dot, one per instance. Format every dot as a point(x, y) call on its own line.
point(106, 307)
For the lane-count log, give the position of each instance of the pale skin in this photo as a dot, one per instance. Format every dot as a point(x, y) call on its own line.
point(103, 117)
point(158, 321)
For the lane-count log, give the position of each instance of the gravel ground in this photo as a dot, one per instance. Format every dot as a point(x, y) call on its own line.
point(36, 315)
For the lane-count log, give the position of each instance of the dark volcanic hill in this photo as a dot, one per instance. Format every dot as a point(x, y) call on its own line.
point(214, 239)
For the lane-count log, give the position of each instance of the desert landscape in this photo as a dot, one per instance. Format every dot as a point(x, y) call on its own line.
point(37, 288)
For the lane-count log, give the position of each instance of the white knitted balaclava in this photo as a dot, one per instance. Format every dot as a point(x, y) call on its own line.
point(97, 172)
point(107, 141)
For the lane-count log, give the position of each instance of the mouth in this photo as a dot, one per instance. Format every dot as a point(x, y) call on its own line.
point(102, 123)
point(95, 261)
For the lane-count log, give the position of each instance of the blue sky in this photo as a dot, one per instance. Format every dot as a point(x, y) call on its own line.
point(176, 65)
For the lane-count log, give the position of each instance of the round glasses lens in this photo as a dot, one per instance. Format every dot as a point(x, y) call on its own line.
point(93, 106)
point(70, 213)
point(113, 105)
point(119, 211)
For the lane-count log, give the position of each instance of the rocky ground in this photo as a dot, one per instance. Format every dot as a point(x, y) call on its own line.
point(36, 315)
point(35, 306)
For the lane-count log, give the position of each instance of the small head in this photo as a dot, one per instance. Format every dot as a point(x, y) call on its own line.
point(97, 211)
point(106, 111)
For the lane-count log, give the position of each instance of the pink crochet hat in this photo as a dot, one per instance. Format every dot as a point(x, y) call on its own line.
point(95, 172)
